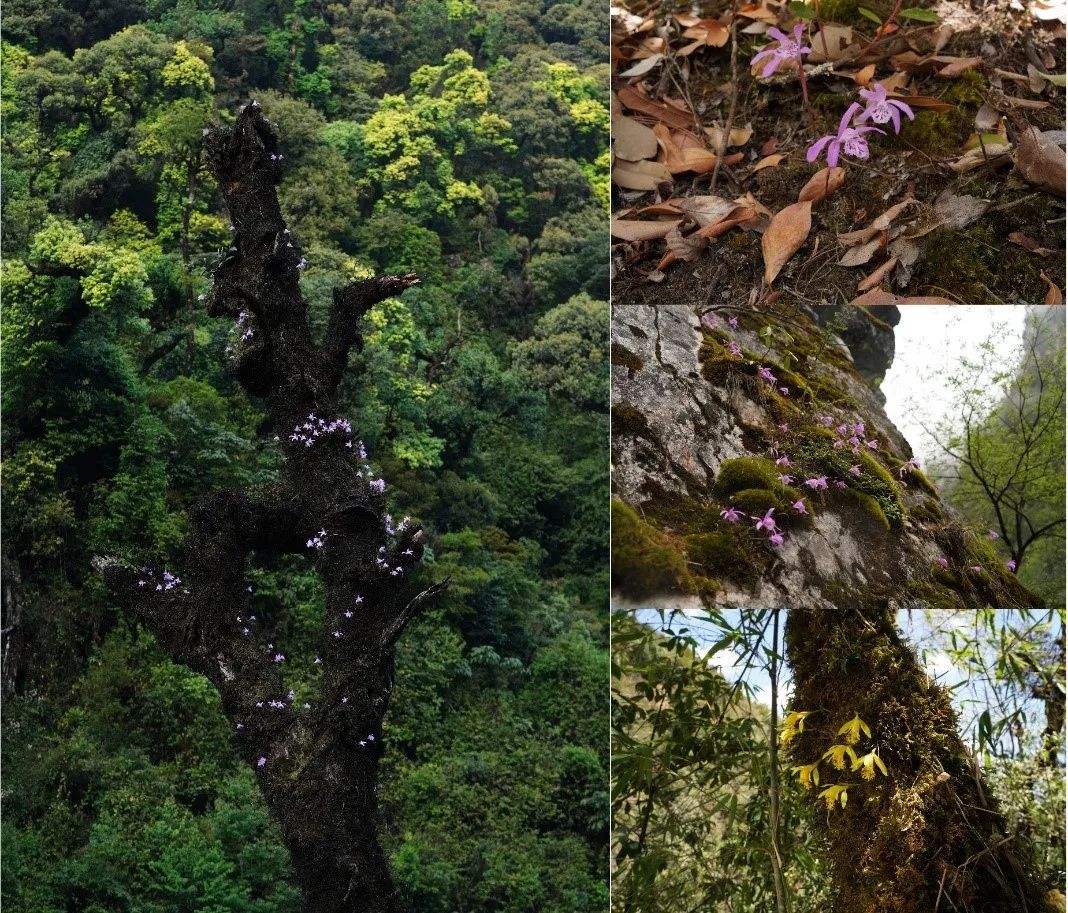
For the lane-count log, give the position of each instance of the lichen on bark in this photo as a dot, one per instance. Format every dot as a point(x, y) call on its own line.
point(317, 765)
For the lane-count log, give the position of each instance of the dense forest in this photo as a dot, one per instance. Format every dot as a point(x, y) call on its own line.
point(465, 142)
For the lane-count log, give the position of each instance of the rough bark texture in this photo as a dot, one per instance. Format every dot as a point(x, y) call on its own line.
point(928, 836)
point(697, 430)
point(321, 762)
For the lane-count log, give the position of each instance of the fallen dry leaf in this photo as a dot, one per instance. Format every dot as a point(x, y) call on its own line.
point(878, 224)
point(1036, 79)
point(1040, 161)
point(822, 184)
point(684, 248)
point(959, 211)
point(862, 253)
point(769, 146)
point(739, 136)
point(753, 203)
point(736, 216)
point(838, 39)
point(1029, 244)
point(986, 118)
point(878, 296)
point(769, 161)
point(631, 140)
point(633, 230)
point(974, 158)
point(874, 278)
point(644, 66)
point(863, 76)
point(639, 175)
point(680, 160)
point(1053, 294)
point(759, 11)
point(956, 66)
point(631, 98)
point(709, 31)
point(785, 234)
point(705, 210)
point(926, 102)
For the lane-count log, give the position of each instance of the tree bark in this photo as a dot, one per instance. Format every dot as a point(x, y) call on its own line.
point(928, 836)
point(317, 765)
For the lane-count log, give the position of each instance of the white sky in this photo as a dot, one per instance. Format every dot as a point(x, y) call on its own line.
point(931, 340)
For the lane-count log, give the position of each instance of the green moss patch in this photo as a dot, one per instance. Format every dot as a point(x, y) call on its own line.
point(626, 420)
point(627, 359)
point(867, 504)
point(645, 561)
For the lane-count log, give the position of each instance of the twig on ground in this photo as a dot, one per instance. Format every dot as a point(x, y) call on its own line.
point(721, 149)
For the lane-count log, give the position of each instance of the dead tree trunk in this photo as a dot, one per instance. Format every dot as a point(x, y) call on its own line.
point(927, 836)
point(317, 764)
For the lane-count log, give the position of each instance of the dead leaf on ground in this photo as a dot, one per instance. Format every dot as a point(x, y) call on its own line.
point(1053, 294)
point(634, 230)
point(786, 233)
point(862, 253)
point(759, 11)
point(955, 66)
point(1029, 244)
point(838, 39)
point(644, 66)
point(711, 32)
point(974, 158)
point(739, 136)
point(874, 278)
point(631, 98)
point(769, 146)
point(1040, 161)
point(769, 161)
point(986, 118)
point(927, 102)
point(632, 141)
point(863, 76)
point(878, 296)
point(822, 184)
point(959, 211)
point(680, 160)
point(682, 247)
point(895, 83)
point(737, 216)
point(704, 210)
point(639, 175)
point(880, 223)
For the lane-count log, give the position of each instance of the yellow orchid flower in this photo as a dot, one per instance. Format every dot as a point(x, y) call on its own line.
point(808, 774)
point(867, 764)
point(792, 725)
point(834, 794)
point(837, 756)
point(853, 729)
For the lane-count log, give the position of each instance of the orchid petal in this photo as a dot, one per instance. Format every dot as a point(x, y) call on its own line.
point(903, 107)
point(832, 153)
point(771, 67)
point(777, 35)
point(847, 117)
point(817, 147)
point(895, 117)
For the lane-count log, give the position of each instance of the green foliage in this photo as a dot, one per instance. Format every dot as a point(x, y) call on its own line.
point(439, 136)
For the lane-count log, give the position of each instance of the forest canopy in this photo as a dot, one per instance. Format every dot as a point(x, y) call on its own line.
point(464, 142)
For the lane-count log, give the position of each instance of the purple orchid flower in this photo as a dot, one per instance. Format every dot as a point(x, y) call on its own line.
point(799, 506)
point(775, 539)
point(766, 522)
point(849, 140)
point(882, 109)
point(1011, 565)
point(818, 482)
point(731, 514)
point(787, 49)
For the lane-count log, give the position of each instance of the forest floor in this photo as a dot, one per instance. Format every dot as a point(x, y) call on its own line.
point(965, 205)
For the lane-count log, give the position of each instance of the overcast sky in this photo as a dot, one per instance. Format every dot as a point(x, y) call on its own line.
point(931, 340)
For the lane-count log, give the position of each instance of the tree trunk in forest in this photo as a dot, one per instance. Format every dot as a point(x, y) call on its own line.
point(317, 765)
point(927, 836)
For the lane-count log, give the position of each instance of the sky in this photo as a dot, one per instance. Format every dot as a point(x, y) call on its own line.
point(932, 340)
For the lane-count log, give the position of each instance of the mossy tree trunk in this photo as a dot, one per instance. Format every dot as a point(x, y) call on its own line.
point(927, 836)
point(317, 765)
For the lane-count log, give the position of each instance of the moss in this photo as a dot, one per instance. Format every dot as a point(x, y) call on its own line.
point(922, 481)
point(756, 501)
point(628, 420)
point(645, 561)
point(843, 11)
point(627, 359)
point(746, 472)
point(721, 554)
point(934, 597)
point(866, 503)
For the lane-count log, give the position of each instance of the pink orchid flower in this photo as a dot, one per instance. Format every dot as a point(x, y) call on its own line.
point(787, 49)
point(1011, 565)
point(882, 109)
point(818, 482)
point(854, 470)
point(942, 562)
point(775, 539)
point(765, 374)
point(785, 391)
point(992, 534)
point(799, 506)
point(734, 348)
point(731, 514)
point(787, 479)
point(766, 522)
point(849, 140)
point(783, 461)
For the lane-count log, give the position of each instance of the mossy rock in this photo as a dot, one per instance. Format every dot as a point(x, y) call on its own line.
point(746, 472)
point(721, 555)
point(923, 482)
point(645, 561)
point(867, 504)
point(626, 420)
point(627, 359)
